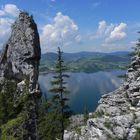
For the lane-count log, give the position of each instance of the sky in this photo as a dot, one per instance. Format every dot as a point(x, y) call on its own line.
point(77, 25)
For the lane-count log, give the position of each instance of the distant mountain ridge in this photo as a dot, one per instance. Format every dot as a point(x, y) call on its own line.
point(78, 55)
point(87, 61)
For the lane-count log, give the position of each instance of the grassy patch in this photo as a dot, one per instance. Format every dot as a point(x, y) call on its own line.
point(137, 137)
point(107, 125)
point(97, 114)
point(7, 130)
point(78, 130)
point(107, 114)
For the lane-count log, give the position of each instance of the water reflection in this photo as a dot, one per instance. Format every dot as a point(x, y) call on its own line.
point(86, 88)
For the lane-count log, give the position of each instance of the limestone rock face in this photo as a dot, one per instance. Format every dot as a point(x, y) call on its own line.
point(21, 54)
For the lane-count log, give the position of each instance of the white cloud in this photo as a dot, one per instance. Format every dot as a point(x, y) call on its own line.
point(9, 9)
point(109, 37)
point(2, 13)
point(62, 31)
point(109, 33)
point(5, 24)
point(101, 28)
point(109, 29)
point(104, 29)
point(8, 13)
point(118, 33)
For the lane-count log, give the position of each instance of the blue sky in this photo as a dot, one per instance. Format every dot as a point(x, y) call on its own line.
point(77, 25)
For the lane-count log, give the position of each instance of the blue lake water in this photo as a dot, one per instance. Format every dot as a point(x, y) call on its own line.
point(86, 88)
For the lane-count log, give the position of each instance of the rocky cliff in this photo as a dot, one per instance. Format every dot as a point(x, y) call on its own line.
point(21, 54)
point(118, 115)
point(19, 61)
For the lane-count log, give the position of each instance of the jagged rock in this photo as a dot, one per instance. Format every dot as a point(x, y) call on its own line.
point(138, 79)
point(122, 120)
point(135, 62)
point(119, 132)
point(19, 61)
point(21, 54)
point(135, 94)
point(136, 66)
point(71, 135)
point(130, 70)
point(131, 134)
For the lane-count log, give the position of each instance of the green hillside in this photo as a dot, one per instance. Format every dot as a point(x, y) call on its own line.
point(87, 62)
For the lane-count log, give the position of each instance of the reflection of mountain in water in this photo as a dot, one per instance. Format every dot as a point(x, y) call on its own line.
point(86, 89)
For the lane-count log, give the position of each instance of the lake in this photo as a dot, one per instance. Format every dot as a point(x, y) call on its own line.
point(86, 88)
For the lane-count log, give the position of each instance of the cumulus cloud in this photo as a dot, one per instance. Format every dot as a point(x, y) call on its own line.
point(62, 31)
point(101, 28)
point(118, 33)
point(10, 9)
point(111, 32)
point(8, 13)
point(2, 13)
point(5, 24)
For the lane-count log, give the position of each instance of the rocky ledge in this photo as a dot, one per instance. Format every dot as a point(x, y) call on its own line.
point(118, 115)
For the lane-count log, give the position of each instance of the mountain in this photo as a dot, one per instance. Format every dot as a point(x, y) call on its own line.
point(120, 53)
point(71, 56)
point(87, 61)
point(78, 55)
point(49, 56)
point(116, 58)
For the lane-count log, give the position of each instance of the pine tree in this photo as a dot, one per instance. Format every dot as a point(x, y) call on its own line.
point(7, 91)
point(86, 114)
point(54, 112)
point(49, 121)
point(60, 89)
point(10, 119)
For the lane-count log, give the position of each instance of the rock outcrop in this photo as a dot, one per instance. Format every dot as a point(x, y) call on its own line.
point(21, 54)
point(118, 113)
point(19, 61)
